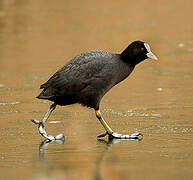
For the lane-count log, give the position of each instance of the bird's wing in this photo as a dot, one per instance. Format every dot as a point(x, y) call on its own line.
point(79, 73)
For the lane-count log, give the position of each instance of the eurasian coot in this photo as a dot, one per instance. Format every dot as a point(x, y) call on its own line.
point(86, 79)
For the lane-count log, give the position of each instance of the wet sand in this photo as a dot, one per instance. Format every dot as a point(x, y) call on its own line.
point(39, 37)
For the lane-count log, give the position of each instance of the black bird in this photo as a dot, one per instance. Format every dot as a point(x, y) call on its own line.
point(87, 77)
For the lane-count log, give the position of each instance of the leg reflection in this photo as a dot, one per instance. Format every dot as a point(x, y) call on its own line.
point(109, 145)
point(44, 145)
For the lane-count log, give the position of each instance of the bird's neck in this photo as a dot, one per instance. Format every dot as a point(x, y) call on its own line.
point(128, 59)
point(131, 59)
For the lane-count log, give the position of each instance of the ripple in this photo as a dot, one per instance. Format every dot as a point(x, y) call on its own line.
point(54, 122)
point(9, 103)
point(133, 113)
point(169, 129)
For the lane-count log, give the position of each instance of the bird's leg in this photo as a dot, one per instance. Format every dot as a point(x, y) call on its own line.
point(110, 132)
point(104, 124)
point(41, 125)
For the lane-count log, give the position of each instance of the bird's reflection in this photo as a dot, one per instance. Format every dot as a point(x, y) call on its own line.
point(109, 144)
point(43, 145)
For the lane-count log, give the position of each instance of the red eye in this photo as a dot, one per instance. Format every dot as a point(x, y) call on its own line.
point(142, 49)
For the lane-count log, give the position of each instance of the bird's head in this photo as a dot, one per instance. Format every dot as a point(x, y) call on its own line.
point(136, 52)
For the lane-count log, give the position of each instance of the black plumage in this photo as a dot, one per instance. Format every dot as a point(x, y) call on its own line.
point(87, 77)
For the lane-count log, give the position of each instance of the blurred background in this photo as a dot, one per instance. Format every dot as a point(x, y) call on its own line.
point(37, 37)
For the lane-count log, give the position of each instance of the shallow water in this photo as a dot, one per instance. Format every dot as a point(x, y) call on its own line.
point(38, 37)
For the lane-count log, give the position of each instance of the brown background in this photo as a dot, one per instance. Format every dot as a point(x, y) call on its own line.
point(38, 36)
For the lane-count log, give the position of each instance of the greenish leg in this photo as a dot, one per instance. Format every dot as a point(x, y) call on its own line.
point(47, 115)
point(41, 125)
point(102, 121)
point(110, 132)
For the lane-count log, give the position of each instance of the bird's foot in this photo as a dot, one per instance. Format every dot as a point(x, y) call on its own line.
point(42, 132)
point(102, 135)
point(125, 136)
point(122, 136)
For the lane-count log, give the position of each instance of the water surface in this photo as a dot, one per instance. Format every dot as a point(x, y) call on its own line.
point(38, 37)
